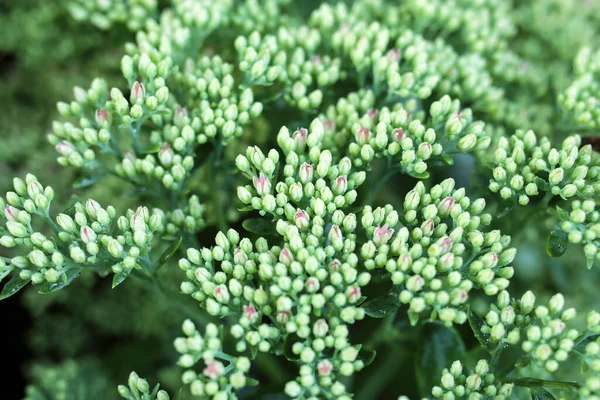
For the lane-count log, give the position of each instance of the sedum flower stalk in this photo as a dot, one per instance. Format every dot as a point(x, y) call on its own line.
point(330, 200)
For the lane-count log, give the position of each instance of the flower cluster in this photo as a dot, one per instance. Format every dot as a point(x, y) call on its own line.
point(139, 389)
point(526, 165)
point(106, 13)
point(84, 237)
point(582, 226)
point(439, 252)
point(479, 384)
point(217, 381)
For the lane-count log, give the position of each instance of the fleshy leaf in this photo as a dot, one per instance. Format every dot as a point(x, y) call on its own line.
point(67, 278)
point(383, 306)
point(167, 254)
point(476, 322)
point(557, 242)
point(13, 286)
point(439, 347)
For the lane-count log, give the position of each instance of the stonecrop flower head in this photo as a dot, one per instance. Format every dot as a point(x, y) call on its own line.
point(339, 200)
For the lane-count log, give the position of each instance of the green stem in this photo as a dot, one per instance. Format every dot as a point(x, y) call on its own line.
point(374, 190)
point(534, 382)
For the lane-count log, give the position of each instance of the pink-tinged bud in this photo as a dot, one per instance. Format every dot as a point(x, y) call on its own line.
point(239, 256)
point(404, 262)
point(441, 247)
point(427, 227)
point(261, 184)
point(447, 261)
point(393, 55)
point(302, 219)
point(340, 185)
point(329, 125)
point(34, 188)
point(138, 92)
point(324, 367)
point(221, 294)
point(250, 313)
point(202, 275)
point(102, 116)
point(92, 207)
point(363, 135)
point(335, 234)
point(180, 115)
point(445, 206)
point(490, 260)
point(283, 317)
point(285, 256)
point(334, 266)
point(312, 284)
point(214, 369)
point(316, 59)
point(299, 138)
point(11, 213)
point(398, 135)
point(373, 113)
point(65, 148)
point(137, 222)
point(458, 115)
point(320, 328)
point(165, 155)
point(382, 234)
point(87, 234)
point(306, 173)
point(353, 294)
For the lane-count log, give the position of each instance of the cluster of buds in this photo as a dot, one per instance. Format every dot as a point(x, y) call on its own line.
point(105, 14)
point(471, 22)
point(313, 184)
point(288, 60)
point(138, 389)
point(580, 101)
point(525, 166)
point(481, 383)
point(221, 375)
point(304, 290)
point(548, 338)
point(591, 389)
point(506, 318)
point(85, 236)
point(219, 110)
point(188, 219)
point(426, 256)
point(582, 226)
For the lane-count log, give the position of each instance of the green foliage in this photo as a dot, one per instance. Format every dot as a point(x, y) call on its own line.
point(330, 195)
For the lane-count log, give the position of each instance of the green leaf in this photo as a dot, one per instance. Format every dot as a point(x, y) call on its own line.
point(476, 322)
point(86, 181)
point(541, 394)
point(557, 242)
point(367, 356)
point(167, 254)
point(439, 347)
point(562, 214)
point(260, 226)
point(13, 286)
point(288, 343)
point(120, 277)
point(381, 307)
point(523, 361)
point(422, 175)
point(67, 278)
point(151, 148)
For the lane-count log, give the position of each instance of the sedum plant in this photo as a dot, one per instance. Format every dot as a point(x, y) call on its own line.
point(319, 200)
